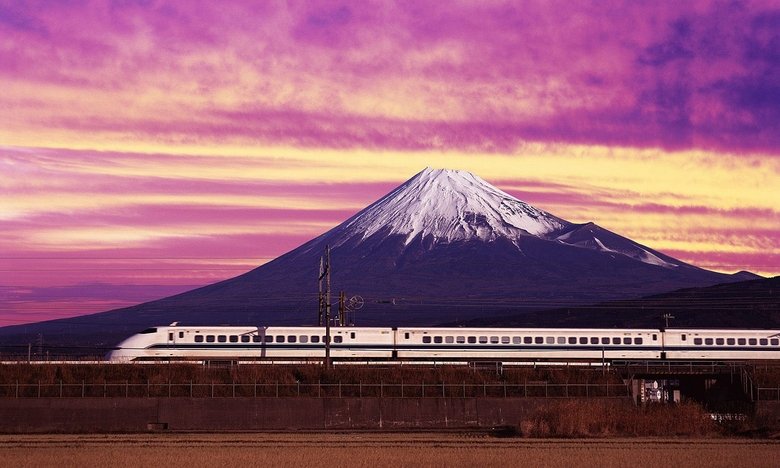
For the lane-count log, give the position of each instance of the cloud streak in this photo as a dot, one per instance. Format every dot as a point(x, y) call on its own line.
point(421, 75)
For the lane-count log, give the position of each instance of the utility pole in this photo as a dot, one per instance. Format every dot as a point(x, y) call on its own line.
point(320, 299)
point(327, 307)
point(342, 309)
point(666, 318)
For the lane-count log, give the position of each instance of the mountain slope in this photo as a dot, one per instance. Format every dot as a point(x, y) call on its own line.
point(443, 246)
point(745, 304)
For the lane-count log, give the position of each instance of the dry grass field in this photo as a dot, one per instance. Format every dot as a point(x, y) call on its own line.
point(374, 450)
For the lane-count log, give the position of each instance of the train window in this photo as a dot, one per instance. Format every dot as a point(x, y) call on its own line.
point(209, 338)
point(561, 340)
point(604, 340)
point(752, 341)
point(245, 338)
point(198, 338)
point(315, 338)
point(719, 341)
point(483, 339)
point(494, 339)
point(181, 334)
point(352, 335)
point(149, 330)
point(437, 339)
point(406, 335)
point(626, 340)
point(655, 337)
point(572, 340)
point(730, 341)
point(741, 341)
point(538, 340)
point(583, 340)
point(774, 341)
point(449, 339)
point(268, 338)
point(339, 339)
point(697, 341)
point(472, 339)
point(292, 338)
point(615, 340)
point(528, 340)
point(426, 339)
point(222, 338)
point(550, 340)
point(684, 337)
point(460, 339)
point(505, 339)
point(517, 340)
point(234, 338)
point(170, 336)
point(638, 340)
point(763, 342)
point(303, 339)
point(280, 339)
point(708, 341)
point(256, 338)
point(594, 340)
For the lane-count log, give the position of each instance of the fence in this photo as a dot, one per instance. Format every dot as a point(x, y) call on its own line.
point(322, 390)
point(767, 393)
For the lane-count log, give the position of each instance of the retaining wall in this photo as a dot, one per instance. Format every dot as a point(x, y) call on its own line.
point(768, 414)
point(45, 415)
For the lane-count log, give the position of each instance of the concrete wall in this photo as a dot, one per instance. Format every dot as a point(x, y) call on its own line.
point(768, 414)
point(43, 415)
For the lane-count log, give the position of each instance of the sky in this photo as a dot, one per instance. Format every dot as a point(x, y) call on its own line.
point(150, 147)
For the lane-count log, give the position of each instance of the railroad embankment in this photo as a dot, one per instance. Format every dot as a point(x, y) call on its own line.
point(533, 417)
point(549, 401)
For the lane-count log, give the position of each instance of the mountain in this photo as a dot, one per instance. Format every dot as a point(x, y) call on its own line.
point(746, 304)
point(444, 246)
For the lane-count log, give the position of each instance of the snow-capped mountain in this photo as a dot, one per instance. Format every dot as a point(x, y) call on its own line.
point(443, 247)
point(447, 206)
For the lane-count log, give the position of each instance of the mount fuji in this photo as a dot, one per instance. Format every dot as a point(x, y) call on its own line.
point(443, 247)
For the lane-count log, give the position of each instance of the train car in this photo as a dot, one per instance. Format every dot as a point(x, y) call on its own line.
point(445, 344)
point(726, 345)
point(247, 343)
point(527, 344)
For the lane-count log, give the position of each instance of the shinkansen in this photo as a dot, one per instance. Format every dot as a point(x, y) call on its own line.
point(444, 344)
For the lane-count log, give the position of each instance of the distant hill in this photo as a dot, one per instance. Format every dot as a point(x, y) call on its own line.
point(747, 304)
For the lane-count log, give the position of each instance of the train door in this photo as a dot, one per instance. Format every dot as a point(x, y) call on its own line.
point(171, 343)
point(261, 332)
point(663, 344)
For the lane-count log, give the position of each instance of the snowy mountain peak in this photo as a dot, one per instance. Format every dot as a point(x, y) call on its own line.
point(445, 205)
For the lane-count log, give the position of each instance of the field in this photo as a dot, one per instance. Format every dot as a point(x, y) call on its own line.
point(375, 449)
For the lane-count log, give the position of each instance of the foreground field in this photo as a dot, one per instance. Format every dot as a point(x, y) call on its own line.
point(373, 450)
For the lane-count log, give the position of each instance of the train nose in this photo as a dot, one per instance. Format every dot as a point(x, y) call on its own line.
point(117, 354)
point(114, 355)
point(124, 351)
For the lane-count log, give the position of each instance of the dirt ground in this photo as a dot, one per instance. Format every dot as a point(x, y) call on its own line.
point(374, 450)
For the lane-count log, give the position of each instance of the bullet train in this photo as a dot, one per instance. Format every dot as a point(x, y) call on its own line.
point(239, 343)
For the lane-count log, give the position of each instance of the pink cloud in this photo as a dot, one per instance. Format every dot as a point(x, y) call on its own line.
point(690, 75)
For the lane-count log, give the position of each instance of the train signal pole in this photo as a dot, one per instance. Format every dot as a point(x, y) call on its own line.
point(666, 318)
point(325, 273)
point(320, 297)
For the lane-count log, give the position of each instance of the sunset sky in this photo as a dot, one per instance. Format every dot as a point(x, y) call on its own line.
point(150, 147)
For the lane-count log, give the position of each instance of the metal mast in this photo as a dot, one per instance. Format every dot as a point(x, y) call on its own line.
point(327, 306)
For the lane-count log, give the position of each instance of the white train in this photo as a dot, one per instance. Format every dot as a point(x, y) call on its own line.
point(444, 344)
